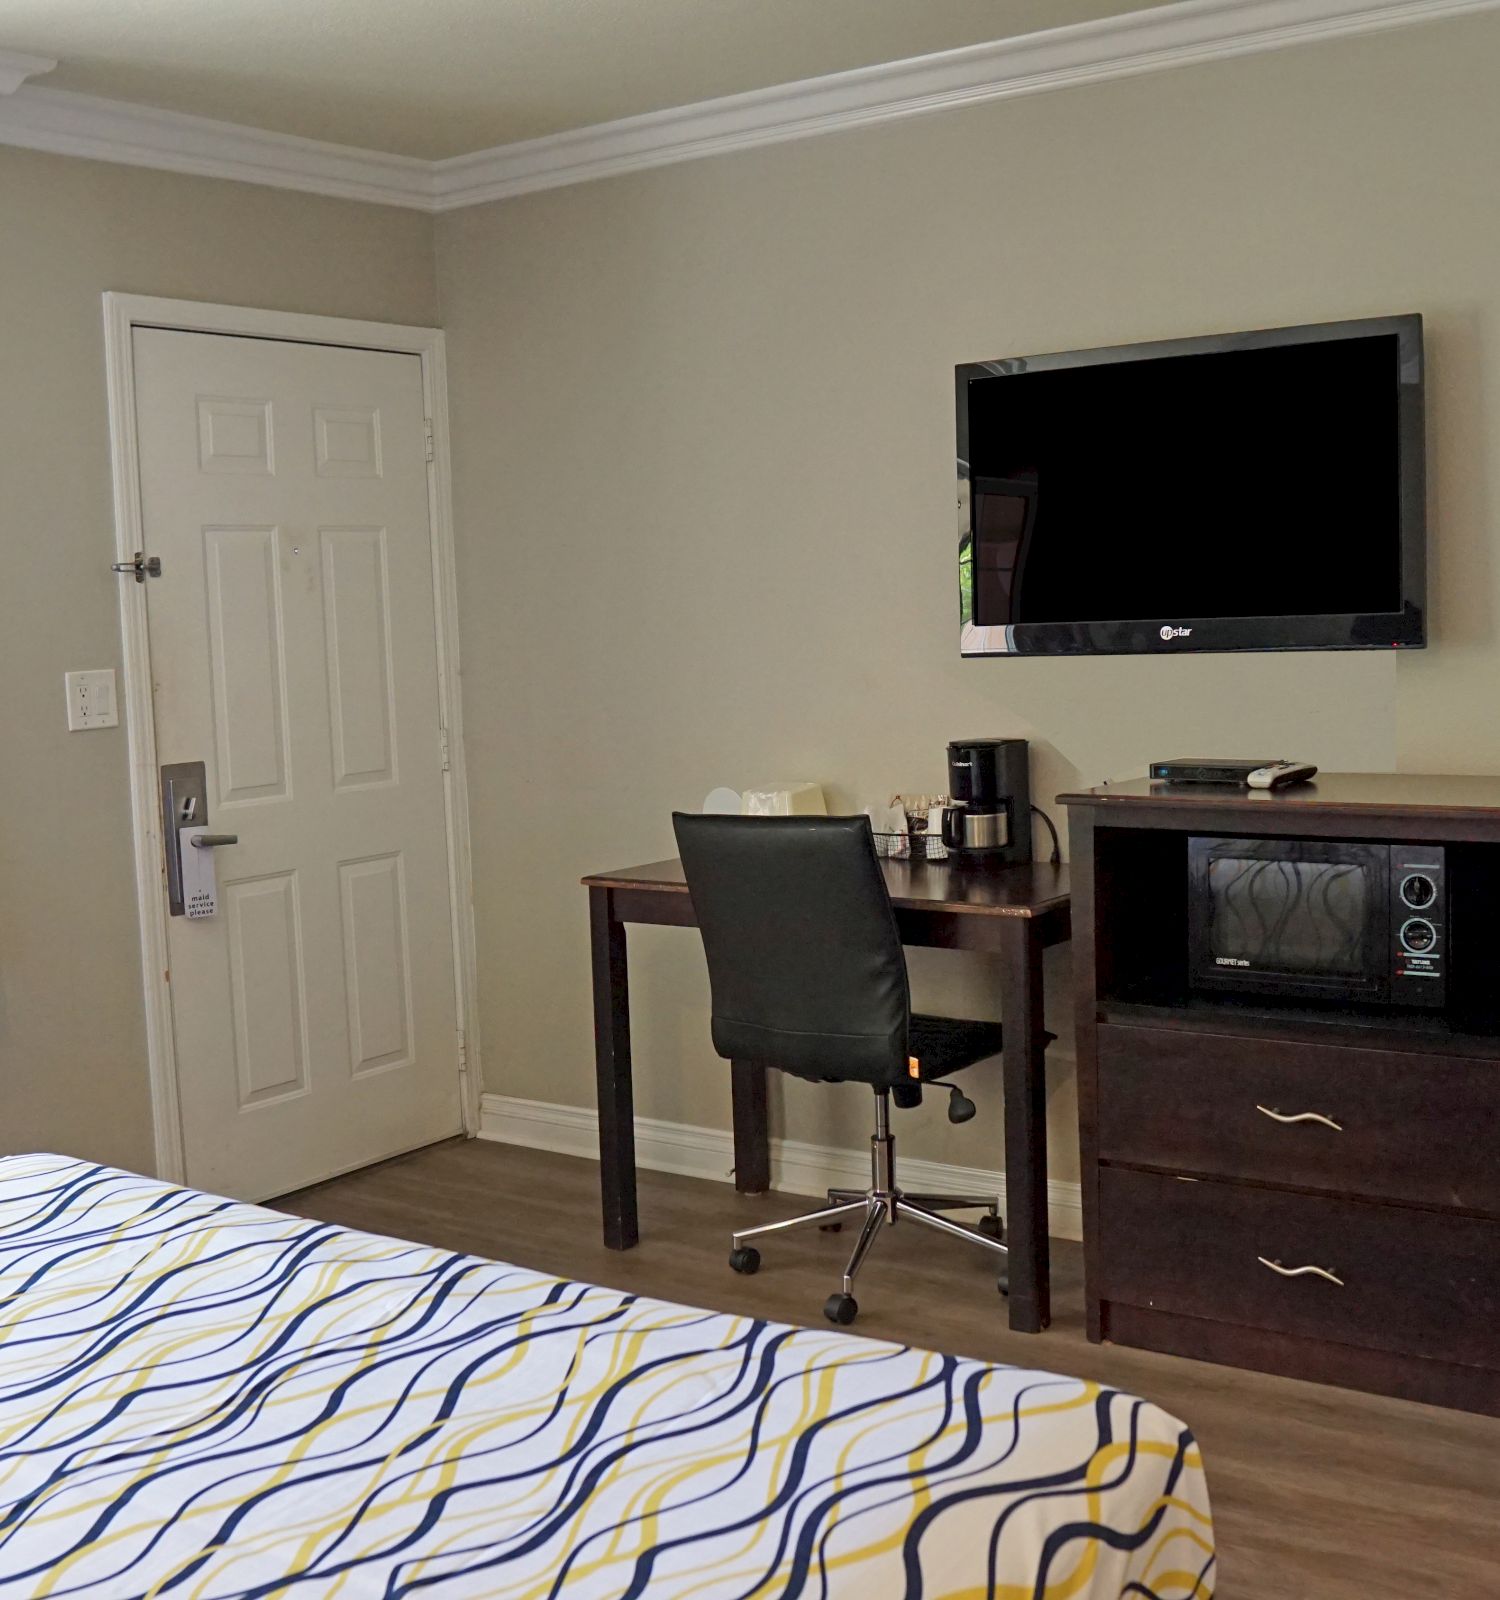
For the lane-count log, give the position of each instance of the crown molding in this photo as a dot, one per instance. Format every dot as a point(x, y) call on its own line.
point(1114, 47)
point(15, 69)
point(1182, 34)
point(68, 124)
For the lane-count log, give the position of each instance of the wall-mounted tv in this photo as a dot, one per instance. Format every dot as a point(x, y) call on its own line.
point(1247, 491)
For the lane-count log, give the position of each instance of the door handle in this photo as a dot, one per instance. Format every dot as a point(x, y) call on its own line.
point(191, 891)
point(1301, 1272)
point(1300, 1116)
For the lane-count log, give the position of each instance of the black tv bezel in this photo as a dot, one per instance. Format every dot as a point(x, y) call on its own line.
point(1404, 629)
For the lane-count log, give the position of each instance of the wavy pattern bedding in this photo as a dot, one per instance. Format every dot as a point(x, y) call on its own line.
point(204, 1399)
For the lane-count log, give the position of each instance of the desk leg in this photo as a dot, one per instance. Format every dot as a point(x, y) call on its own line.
point(752, 1140)
point(1025, 1126)
point(612, 1069)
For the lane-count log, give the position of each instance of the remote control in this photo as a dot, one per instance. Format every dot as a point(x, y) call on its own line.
point(1281, 774)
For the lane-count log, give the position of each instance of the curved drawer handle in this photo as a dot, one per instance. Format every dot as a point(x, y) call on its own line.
point(1301, 1116)
point(1300, 1272)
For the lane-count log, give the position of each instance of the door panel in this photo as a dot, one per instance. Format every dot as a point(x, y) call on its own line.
point(356, 630)
point(378, 977)
point(235, 436)
point(247, 659)
point(293, 645)
point(348, 441)
point(263, 924)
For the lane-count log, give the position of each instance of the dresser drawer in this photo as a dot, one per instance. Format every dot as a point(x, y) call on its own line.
point(1412, 1282)
point(1408, 1127)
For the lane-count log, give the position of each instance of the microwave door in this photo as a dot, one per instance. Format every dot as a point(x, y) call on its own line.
point(1289, 916)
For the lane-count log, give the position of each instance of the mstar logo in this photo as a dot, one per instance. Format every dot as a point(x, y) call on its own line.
point(1169, 632)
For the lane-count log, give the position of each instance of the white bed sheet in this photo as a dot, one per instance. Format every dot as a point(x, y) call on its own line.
point(210, 1400)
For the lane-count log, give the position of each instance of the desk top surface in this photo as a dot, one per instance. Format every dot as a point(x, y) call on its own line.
point(1027, 889)
point(1392, 793)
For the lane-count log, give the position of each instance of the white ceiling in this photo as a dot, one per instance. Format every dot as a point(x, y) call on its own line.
point(434, 78)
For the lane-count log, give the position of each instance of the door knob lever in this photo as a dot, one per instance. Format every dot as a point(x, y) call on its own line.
point(184, 821)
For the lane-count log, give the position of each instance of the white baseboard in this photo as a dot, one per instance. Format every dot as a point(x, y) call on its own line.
point(796, 1167)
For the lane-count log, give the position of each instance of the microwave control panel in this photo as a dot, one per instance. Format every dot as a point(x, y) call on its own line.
point(1419, 925)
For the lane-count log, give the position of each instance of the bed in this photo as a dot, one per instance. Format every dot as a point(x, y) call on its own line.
point(205, 1399)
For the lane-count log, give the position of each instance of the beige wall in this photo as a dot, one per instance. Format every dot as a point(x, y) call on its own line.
point(72, 1046)
point(704, 446)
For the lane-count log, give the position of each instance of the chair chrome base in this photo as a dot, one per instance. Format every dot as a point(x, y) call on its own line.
point(882, 1204)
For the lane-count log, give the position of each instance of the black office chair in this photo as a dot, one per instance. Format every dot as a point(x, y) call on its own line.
point(808, 975)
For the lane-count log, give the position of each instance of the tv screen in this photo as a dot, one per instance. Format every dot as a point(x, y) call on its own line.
point(1255, 491)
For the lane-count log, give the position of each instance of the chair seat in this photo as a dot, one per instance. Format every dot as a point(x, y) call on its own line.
point(945, 1044)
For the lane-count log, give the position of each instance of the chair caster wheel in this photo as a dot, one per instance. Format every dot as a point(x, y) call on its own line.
point(1002, 1283)
point(830, 1227)
point(745, 1260)
point(991, 1227)
point(841, 1308)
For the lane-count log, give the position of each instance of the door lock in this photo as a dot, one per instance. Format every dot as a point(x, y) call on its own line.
point(141, 568)
point(191, 890)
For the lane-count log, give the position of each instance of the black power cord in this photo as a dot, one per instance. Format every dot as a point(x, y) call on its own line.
point(1051, 828)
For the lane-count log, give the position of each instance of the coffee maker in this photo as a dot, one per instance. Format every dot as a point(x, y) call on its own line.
point(989, 781)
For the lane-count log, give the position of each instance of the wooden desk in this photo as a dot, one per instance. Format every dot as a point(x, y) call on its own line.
point(1013, 912)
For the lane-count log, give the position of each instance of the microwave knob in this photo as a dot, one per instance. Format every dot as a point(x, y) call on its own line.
point(1418, 935)
point(1418, 891)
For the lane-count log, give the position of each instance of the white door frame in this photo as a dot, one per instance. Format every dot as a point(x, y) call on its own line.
point(122, 314)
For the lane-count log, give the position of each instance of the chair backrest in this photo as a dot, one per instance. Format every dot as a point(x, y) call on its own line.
point(804, 958)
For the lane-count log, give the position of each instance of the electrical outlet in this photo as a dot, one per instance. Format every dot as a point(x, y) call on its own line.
point(91, 700)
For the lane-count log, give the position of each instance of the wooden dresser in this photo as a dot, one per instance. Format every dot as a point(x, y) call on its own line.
point(1274, 1182)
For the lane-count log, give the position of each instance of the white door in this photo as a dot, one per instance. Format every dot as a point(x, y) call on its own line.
point(293, 650)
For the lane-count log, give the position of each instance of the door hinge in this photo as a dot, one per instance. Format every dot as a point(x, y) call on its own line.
point(463, 1051)
point(443, 748)
point(427, 436)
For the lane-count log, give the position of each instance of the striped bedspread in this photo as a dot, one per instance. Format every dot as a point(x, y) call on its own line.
point(203, 1399)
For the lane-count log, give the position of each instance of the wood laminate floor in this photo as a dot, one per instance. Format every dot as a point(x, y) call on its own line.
point(1318, 1493)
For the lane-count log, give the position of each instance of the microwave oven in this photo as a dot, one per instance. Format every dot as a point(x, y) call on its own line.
point(1319, 919)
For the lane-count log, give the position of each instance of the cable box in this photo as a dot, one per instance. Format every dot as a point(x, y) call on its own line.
point(1206, 769)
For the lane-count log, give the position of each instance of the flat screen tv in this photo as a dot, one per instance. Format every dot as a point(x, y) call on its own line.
point(1247, 491)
